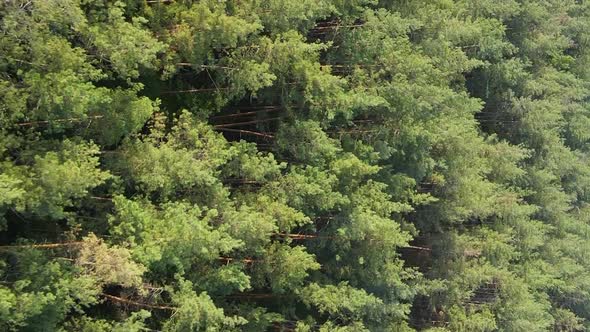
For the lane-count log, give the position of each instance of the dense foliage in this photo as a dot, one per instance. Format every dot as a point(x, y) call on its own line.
point(279, 165)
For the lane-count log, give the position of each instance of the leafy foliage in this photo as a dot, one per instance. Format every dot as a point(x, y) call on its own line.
point(320, 165)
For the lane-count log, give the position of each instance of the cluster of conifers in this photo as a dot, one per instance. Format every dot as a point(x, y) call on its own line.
point(313, 165)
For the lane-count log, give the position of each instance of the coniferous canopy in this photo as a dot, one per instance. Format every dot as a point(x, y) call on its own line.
point(278, 165)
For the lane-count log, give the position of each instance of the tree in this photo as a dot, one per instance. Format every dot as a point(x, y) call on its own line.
point(319, 165)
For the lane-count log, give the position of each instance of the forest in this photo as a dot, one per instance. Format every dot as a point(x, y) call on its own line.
point(306, 166)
